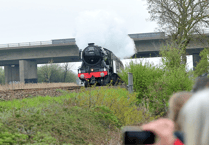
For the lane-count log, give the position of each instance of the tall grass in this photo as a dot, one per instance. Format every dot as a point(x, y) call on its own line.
point(92, 116)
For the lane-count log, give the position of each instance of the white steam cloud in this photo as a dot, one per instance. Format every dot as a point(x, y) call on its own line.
point(104, 29)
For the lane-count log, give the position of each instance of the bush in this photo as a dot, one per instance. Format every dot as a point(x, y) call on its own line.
point(6, 137)
point(174, 79)
point(155, 85)
point(57, 124)
point(143, 77)
point(120, 102)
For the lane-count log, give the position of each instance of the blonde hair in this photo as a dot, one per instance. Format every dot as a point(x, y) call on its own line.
point(194, 119)
point(176, 102)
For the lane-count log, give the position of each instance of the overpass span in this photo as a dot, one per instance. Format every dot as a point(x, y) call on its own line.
point(20, 59)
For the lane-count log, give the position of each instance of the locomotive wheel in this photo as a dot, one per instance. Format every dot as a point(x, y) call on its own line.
point(115, 79)
point(106, 80)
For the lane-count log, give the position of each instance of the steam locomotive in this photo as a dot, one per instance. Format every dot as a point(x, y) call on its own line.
point(99, 66)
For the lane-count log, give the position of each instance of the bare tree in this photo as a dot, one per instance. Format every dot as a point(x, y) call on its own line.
point(48, 71)
point(67, 68)
point(180, 19)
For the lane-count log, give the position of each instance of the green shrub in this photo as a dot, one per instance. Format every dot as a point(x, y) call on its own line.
point(174, 79)
point(143, 76)
point(107, 115)
point(46, 138)
point(120, 102)
point(6, 137)
point(154, 85)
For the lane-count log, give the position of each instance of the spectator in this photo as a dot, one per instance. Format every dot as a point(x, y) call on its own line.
point(163, 128)
point(194, 119)
point(176, 102)
point(200, 83)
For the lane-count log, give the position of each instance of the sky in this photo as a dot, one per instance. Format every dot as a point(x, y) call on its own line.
point(106, 22)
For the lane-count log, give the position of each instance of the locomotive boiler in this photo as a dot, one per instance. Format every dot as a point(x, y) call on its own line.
point(99, 66)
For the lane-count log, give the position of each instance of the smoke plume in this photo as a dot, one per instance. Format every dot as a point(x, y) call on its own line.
point(104, 29)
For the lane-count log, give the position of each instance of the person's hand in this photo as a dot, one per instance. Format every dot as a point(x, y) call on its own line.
point(163, 129)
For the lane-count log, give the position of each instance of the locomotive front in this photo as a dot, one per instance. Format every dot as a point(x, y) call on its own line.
point(92, 54)
point(93, 69)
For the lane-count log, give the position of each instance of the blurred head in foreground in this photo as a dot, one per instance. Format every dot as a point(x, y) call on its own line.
point(176, 102)
point(200, 83)
point(194, 119)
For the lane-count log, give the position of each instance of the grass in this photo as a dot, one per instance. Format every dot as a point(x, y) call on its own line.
point(92, 116)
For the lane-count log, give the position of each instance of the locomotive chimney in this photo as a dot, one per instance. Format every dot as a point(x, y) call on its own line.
point(91, 44)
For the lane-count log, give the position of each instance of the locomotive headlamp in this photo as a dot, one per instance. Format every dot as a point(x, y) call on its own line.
point(92, 69)
point(82, 76)
point(102, 74)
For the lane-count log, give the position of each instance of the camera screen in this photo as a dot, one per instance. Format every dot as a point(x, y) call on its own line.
point(139, 137)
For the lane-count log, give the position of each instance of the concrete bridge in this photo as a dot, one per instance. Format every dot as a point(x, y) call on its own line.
point(20, 59)
point(148, 45)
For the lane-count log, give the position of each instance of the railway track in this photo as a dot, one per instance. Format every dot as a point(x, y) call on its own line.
point(11, 94)
point(48, 88)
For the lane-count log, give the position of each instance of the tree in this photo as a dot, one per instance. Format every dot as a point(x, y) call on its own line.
point(180, 19)
point(2, 77)
point(66, 68)
point(44, 72)
point(55, 73)
point(203, 66)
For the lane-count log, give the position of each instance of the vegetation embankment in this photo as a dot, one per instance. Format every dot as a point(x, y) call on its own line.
point(93, 116)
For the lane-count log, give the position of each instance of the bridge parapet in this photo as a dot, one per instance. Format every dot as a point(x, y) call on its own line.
point(39, 43)
point(147, 36)
point(135, 37)
point(36, 43)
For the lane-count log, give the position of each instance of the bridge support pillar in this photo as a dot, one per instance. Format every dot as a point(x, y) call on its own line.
point(28, 71)
point(11, 73)
point(196, 59)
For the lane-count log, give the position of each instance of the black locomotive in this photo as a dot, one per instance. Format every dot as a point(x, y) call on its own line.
point(99, 66)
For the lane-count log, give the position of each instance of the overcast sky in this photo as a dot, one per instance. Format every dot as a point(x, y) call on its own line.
point(42, 20)
point(39, 20)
